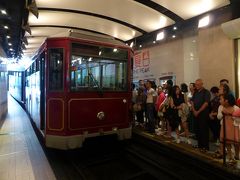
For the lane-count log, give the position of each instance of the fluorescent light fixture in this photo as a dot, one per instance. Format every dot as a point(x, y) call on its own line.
point(131, 45)
point(162, 22)
point(160, 36)
point(203, 22)
point(5, 27)
point(3, 11)
point(115, 50)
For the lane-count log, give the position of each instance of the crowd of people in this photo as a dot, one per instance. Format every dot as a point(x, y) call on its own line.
point(163, 109)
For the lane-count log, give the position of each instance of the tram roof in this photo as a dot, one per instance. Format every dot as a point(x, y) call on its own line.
point(30, 22)
point(90, 36)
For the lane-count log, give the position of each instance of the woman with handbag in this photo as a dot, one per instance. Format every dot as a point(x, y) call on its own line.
point(140, 104)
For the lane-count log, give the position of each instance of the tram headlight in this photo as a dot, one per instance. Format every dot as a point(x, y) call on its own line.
point(114, 128)
point(101, 115)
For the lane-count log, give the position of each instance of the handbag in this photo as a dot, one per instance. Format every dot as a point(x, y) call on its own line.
point(137, 107)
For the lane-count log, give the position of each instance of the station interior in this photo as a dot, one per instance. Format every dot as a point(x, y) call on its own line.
point(119, 89)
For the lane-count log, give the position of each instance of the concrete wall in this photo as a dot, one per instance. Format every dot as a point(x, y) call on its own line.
point(208, 54)
point(216, 56)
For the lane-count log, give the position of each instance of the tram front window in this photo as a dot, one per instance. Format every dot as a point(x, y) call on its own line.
point(98, 68)
point(95, 74)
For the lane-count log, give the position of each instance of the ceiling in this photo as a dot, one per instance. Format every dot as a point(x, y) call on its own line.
point(122, 19)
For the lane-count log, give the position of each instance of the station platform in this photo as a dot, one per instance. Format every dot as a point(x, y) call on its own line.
point(21, 155)
point(190, 150)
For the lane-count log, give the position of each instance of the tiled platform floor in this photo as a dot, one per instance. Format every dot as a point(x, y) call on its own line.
point(21, 156)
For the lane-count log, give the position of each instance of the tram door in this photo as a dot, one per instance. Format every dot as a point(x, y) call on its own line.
point(42, 91)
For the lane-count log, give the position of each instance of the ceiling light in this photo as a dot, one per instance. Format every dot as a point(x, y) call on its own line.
point(131, 45)
point(115, 50)
point(5, 27)
point(173, 36)
point(160, 36)
point(162, 22)
point(203, 22)
point(174, 28)
point(3, 11)
point(100, 52)
point(90, 59)
point(11, 49)
point(8, 37)
point(154, 42)
point(9, 44)
point(140, 45)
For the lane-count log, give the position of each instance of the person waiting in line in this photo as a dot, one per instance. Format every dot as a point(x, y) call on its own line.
point(236, 123)
point(223, 82)
point(214, 122)
point(160, 121)
point(184, 90)
point(154, 86)
point(166, 104)
point(134, 95)
point(200, 109)
point(228, 108)
point(183, 112)
point(223, 90)
point(142, 85)
point(140, 101)
point(151, 95)
point(192, 124)
point(176, 104)
point(192, 90)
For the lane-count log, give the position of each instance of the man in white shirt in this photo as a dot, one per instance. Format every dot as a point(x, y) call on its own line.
point(151, 98)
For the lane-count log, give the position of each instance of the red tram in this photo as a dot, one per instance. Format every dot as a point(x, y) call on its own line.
point(78, 86)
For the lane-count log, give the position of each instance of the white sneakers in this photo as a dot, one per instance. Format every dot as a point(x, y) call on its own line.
point(189, 141)
point(178, 140)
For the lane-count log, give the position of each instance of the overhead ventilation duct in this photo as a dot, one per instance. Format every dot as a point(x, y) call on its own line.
point(232, 28)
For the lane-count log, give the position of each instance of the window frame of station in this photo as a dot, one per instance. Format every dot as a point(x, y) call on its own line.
point(63, 68)
point(84, 54)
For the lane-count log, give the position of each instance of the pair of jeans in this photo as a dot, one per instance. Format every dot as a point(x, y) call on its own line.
point(150, 117)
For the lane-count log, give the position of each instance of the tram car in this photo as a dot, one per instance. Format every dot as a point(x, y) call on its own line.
point(3, 91)
point(78, 86)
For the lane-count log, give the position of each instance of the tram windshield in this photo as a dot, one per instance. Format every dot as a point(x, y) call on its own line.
point(98, 68)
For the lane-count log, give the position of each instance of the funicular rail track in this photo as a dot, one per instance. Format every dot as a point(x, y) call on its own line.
point(102, 159)
point(139, 158)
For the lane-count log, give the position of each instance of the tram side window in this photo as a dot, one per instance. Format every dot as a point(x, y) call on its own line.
point(55, 69)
